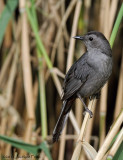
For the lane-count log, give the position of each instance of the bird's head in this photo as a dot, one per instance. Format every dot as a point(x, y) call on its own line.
point(94, 40)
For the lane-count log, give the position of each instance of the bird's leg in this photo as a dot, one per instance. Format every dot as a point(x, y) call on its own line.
point(86, 108)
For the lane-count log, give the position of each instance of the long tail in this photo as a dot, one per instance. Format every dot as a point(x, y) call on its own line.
point(66, 107)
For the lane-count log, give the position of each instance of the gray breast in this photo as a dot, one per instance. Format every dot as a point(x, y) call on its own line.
point(102, 68)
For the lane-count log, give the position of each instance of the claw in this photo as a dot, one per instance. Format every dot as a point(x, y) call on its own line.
point(86, 108)
point(90, 113)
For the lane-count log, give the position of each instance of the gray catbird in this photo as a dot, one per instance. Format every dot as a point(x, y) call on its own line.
point(86, 76)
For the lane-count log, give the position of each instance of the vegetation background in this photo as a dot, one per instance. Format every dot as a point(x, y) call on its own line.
point(36, 50)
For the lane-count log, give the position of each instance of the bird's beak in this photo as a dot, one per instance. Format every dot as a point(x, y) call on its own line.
point(79, 37)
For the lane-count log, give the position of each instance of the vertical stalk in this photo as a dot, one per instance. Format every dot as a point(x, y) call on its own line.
point(104, 91)
point(116, 145)
point(112, 38)
point(119, 97)
point(27, 76)
point(110, 137)
point(116, 26)
point(42, 102)
point(103, 101)
point(42, 94)
point(26, 63)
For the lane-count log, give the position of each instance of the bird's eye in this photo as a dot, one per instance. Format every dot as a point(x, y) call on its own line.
point(90, 38)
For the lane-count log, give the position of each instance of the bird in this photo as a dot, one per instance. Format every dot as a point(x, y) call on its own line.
point(86, 76)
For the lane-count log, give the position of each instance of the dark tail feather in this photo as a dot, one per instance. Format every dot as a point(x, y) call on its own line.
point(62, 119)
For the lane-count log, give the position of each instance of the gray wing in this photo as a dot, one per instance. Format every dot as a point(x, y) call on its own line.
point(75, 77)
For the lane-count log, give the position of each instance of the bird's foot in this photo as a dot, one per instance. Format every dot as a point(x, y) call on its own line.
point(87, 110)
point(97, 96)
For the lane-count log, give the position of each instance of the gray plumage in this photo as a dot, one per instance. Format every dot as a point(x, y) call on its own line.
point(86, 76)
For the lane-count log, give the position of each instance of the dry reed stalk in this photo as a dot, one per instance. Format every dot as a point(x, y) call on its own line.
point(90, 124)
point(5, 99)
point(3, 125)
point(78, 112)
point(67, 13)
point(11, 79)
point(60, 55)
point(113, 9)
point(74, 122)
point(82, 155)
point(27, 76)
point(34, 138)
point(57, 83)
point(8, 149)
point(108, 23)
point(78, 115)
point(58, 72)
point(69, 62)
point(61, 26)
point(9, 57)
point(77, 150)
point(55, 78)
point(35, 92)
point(119, 98)
point(52, 4)
point(26, 66)
point(85, 121)
point(104, 158)
point(62, 144)
point(103, 100)
point(103, 111)
point(102, 13)
point(115, 127)
point(47, 31)
point(18, 94)
point(65, 32)
point(43, 156)
point(89, 131)
point(43, 27)
point(49, 34)
point(13, 120)
point(8, 36)
point(68, 137)
point(15, 155)
point(28, 134)
point(1, 6)
point(58, 4)
point(87, 5)
point(73, 33)
point(106, 19)
point(6, 65)
point(116, 144)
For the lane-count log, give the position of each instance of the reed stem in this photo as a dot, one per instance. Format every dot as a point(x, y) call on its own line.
point(116, 26)
point(42, 94)
point(110, 137)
